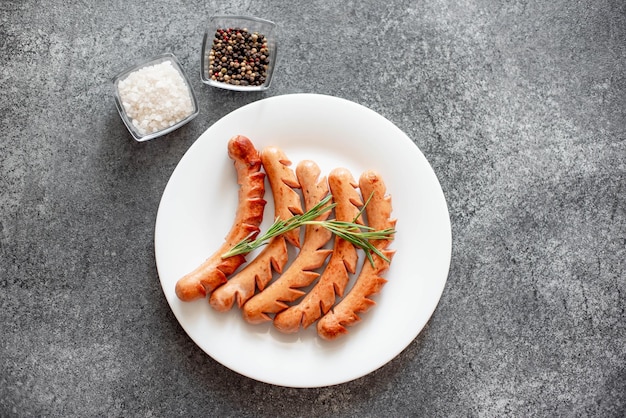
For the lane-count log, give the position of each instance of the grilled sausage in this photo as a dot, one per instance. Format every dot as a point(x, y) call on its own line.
point(258, 272)
point(312, 255)
point(370, 280)
point(341, 264)
point(214, 270)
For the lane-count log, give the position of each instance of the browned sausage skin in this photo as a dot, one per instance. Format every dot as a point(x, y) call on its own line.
point(214, 270)
point(370, 280)
point(312, 255)
point(283, 182)
point(342, 263)
point(274, 257)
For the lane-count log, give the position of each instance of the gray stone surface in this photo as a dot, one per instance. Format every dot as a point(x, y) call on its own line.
point(520, 106)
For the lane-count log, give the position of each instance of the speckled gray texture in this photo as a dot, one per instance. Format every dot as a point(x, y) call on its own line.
point(520, 106)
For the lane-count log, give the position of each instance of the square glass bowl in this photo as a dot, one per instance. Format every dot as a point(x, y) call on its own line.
point(253, 25)
point(154, 91)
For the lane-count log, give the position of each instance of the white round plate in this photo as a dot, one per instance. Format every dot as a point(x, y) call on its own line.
point(198, 206)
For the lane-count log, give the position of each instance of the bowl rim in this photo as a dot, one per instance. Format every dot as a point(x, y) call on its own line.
point(163, 57)
point(209, 33)
point(242, 17)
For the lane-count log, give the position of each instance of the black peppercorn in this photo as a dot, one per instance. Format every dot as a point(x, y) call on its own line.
point(239, 57)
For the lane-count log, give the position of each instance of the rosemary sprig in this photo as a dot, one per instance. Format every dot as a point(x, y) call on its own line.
point(356, 234)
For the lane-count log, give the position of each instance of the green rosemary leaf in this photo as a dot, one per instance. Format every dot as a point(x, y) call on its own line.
point(358, 235)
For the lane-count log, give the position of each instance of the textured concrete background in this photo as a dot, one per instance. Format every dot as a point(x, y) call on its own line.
point(520, 106)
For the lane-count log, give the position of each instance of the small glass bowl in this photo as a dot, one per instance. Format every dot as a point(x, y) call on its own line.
point(252, 24)
point(135, 132)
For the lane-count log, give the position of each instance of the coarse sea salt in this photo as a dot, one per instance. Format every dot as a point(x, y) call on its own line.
point(155, 97)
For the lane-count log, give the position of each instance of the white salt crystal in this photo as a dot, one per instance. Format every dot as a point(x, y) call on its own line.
point(155, 97)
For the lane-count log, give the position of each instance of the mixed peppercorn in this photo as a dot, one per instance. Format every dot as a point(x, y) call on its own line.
point(239, 57)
